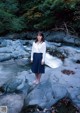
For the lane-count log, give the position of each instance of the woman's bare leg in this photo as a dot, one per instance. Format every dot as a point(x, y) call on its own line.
point(38, 76)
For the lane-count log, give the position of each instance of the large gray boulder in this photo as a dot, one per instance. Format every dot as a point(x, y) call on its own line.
point(13, 102)
point(12, 49)
point(45, 95)
point(16, 84)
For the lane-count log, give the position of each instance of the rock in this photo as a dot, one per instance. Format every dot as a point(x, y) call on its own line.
point(15, 84)
point(74, 40)
point(22, 61)
point(4, 57)
point(53, 44)
point(54, 36)
point(45, 95)
point(57, 78)
point(31, 35)
point(13, 102)
point(11, 85)
point(75, 96)
point(55, 84)
point(5, 75)
point(12, 49)
point(6, 42)
point(28, 75)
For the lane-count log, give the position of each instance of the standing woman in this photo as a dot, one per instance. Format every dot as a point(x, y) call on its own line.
point(38, 53)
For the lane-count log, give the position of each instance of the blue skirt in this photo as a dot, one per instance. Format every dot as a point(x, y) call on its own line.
point(36, 66)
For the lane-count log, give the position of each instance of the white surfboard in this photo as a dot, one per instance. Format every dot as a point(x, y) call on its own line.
point(52, 62)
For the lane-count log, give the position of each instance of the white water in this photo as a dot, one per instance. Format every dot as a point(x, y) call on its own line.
point(52, 62)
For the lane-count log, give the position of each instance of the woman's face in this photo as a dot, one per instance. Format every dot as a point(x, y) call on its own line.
point(39, 37)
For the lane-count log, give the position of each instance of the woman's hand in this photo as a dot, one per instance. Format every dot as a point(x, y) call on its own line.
point(42, 62)
point(31, 61)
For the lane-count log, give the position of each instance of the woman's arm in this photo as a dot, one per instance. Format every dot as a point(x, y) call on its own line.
point(32, 53)
point(44, 52)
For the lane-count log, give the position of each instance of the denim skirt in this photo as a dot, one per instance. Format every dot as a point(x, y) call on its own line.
point(36, 66)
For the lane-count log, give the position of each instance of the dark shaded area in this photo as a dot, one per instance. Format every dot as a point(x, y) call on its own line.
point(65, 106)
point(68, 72)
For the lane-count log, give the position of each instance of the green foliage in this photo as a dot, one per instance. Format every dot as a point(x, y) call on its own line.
point(17, 24)
point(20, 15)
point(9, 5)
point(9, 19)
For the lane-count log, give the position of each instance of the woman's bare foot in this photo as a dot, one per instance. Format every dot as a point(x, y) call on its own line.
point(36, 81)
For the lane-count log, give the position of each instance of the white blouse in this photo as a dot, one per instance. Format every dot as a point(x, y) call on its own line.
point(39, 48)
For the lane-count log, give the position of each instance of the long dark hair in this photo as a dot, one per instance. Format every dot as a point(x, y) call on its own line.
point(40, 34)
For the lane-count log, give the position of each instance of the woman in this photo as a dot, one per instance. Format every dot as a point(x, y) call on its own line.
point(38, 53)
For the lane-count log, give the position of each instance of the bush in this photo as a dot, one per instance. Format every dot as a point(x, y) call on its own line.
point(20, 15)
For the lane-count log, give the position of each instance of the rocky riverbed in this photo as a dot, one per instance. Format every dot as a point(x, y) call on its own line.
point(61, 80)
